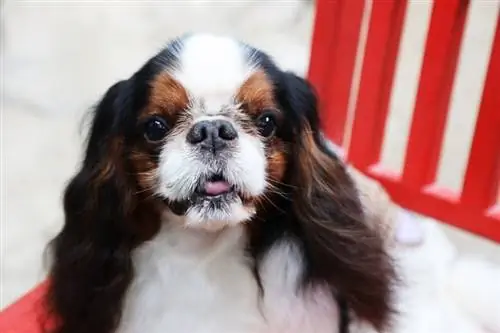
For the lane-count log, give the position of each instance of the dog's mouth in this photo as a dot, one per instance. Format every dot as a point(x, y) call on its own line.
point(213, 193)
point(216, 186)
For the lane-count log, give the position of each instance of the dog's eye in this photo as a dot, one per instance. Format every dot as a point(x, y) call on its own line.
point(155, 129)
point(266, 124)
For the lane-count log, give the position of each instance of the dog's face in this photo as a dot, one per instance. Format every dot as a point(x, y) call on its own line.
point(209, 142)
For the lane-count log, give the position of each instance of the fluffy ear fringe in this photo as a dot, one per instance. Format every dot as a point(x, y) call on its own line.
point(342, 249)
point(91, 261)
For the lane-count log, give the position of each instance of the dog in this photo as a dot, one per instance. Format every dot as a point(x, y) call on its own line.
point(208, 201)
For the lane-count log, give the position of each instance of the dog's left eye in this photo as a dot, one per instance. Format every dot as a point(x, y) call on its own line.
point(266, 124)
point(155, 129)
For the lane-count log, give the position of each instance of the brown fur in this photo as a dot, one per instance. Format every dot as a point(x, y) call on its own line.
point(145, 170)
point(107, 165)
point(276, 161)
point(257, 94)
point(168, 97)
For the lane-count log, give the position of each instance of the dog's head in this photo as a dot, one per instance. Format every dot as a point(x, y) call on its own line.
point(205, 127)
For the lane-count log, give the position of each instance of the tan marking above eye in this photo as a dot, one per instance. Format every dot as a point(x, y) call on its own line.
point(167, 97)
point(256, 93)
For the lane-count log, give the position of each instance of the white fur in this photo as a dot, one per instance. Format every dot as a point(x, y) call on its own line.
point(210, 220)
point(475, 285)
point(288, 311)
point(192, 281)
point(212, 68)
point(443, 291)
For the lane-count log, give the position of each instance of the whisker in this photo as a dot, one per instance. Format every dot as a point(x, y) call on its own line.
point(137, 153)
point(141, 173)
point(265, 197)
point(271, 188)
point(274, 181)
point(144, 190)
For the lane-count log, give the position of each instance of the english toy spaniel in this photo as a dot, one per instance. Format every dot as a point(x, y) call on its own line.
point(208, 202)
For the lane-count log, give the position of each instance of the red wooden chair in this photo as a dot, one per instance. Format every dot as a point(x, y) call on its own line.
point(335, 45)
point(24, 315)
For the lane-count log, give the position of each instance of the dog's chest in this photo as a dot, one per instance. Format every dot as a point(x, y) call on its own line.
point(187, 283)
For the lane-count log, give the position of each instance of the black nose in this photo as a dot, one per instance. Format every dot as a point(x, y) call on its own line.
point(212, 134)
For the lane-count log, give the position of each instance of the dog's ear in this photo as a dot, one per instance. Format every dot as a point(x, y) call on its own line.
point(341, 249)
point(91, 262)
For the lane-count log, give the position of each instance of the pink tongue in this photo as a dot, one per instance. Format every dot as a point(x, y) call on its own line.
point(216, 188)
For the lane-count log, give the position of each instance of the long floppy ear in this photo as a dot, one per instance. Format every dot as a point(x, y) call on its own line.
point(341, 249)
point(91, 264)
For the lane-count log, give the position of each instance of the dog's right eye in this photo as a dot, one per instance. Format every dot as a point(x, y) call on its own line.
point(266, 124)
point(155, 129)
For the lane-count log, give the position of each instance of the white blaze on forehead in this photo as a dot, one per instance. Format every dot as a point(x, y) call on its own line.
point(212, 69)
